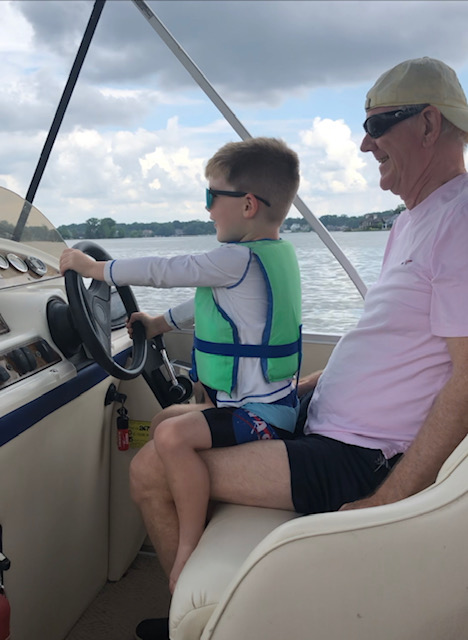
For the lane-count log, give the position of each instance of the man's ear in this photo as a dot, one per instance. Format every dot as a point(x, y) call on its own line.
point(432, 119)
point(251, 206)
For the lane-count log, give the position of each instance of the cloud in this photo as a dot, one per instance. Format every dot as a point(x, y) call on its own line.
point(330, 159)
point(125, 175)
point(15, 31)
point(138, 131)
point(265, 49)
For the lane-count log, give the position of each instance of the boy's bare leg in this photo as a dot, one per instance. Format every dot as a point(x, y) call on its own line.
point(149, 490)
point(255, 474)
point(175, 410)
point(178, 441)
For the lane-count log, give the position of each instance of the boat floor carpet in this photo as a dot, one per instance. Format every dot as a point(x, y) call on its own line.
point(117, 609)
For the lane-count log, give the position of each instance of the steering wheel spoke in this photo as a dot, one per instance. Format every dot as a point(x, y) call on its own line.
point(97, 300)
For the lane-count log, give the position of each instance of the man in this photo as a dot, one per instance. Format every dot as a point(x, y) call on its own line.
point(398, 383)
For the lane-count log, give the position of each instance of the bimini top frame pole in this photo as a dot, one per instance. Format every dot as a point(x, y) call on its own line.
point(239, 128)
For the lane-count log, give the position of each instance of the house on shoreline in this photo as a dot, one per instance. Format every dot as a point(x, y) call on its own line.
point(373, 221)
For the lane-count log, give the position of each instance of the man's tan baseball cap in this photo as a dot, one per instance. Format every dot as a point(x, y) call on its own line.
point(422, 81)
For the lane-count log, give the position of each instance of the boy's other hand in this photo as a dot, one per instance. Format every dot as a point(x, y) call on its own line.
point(154, 325)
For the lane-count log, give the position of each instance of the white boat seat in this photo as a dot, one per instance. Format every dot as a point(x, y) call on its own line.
point(396, 572)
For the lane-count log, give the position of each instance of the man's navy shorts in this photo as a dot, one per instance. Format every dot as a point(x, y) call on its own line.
point(326, 473)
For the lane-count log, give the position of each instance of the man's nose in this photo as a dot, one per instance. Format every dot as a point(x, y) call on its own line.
point(367, 143)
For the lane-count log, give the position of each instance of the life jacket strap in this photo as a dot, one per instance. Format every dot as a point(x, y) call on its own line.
point(248, 350)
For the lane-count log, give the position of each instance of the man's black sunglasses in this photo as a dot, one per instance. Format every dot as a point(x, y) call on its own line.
point(212, 193)
point(377, 125)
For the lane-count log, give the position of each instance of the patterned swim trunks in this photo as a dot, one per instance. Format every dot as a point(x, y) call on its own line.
point(231, 426)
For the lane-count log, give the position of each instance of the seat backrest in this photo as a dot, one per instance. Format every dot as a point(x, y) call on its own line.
point(395, 571)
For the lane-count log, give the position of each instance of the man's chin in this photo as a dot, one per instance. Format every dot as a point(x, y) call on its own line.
point(385, 184)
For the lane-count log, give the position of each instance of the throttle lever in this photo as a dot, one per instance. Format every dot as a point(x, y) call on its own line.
point(180, 388)
point(165, 358)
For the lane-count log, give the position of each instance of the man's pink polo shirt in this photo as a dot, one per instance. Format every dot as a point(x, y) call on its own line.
point(384, 375)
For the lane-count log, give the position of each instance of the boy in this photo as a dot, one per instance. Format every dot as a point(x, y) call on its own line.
point(247, 312)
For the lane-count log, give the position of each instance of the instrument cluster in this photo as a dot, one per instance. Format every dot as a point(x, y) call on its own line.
point(18, 269)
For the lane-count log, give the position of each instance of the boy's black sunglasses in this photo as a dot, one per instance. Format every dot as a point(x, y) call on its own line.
point(212, 193)
point(377, 125)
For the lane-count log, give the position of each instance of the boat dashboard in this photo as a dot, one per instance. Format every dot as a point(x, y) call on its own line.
point(29, 250)
point(65, 480)
point(55, 329)
point(23, 352)
point(38, 353)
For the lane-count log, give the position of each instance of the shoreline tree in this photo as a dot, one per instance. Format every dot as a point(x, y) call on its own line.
point(96, 228)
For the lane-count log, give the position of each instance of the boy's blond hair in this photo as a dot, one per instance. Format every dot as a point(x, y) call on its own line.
point(266, 167)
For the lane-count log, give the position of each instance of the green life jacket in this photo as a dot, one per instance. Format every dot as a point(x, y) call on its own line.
point(217, 349)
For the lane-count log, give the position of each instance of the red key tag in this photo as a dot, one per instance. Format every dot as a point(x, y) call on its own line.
point(122, 429)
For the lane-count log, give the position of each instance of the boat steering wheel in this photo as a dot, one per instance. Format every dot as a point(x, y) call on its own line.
point(91, 312)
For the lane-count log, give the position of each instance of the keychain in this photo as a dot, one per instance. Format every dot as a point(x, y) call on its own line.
point(122, 429)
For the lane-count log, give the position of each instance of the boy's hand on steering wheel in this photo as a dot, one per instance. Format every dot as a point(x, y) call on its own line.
point(154, 325)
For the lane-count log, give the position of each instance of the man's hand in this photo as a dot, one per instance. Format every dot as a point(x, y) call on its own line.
point(364, 503)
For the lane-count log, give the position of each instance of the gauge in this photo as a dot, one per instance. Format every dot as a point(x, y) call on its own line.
point(36, 265)
point(3, 262)
point(18, 263)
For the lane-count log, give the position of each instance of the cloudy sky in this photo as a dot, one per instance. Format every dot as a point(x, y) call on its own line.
point(139, 131)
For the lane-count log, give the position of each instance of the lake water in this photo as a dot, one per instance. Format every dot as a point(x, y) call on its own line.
point(331, 302)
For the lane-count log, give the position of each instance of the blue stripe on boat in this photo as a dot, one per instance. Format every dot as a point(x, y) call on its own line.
point(21, 419)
